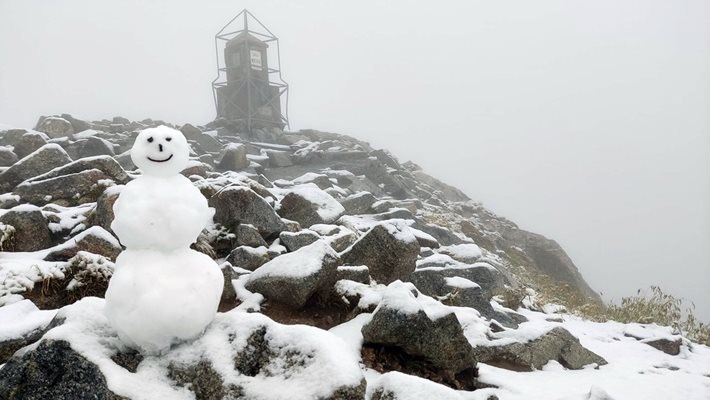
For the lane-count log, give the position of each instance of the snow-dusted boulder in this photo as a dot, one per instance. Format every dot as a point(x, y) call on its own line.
point(7, 157)
point(94, 240)
point(430, 277)
point(309, 206)
point(295, 240)
point(106, 164)
point(249, 258)
point(420, 328)
point(190, 131)
point(389, 250)
point(40, 161)
point(95, 146)
point(31, 228)
point(234, 158)
point(248, 235)
point(293, 278)
point(533, 353)
point(237, 204)
point(73, 189)
point(55, 127)
point(30, 142)
point(358, 203)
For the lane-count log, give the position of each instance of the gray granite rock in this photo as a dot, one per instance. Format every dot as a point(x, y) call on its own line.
point(387, 253)
point(235, 205)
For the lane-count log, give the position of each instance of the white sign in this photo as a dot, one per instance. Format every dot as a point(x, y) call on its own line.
point(255, 59)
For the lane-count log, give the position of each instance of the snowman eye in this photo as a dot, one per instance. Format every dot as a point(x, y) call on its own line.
point(168, 139)
point(150, 139)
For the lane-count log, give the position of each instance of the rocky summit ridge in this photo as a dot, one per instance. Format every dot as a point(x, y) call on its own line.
point(348, 275)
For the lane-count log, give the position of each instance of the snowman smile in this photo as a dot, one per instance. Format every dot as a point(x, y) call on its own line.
point(167, 159)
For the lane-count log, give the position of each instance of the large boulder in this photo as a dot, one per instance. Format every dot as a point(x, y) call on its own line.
point(557, 344)
point(45, 158)
point(190, 131)
point(442, 235)
point(486, 276)
point(55, 127)
point(7, 157)
point(53, 371)
point(293, 278)
point(309, 206)
point(69, 190)
point(234, 158)
point(389, 250)
point(94, 146)
point(402, 322)
point(93, 240)
point(31, 228)
point(358, 203)
point(295, 240)
point(106, 164)
point(236, 204)
point(29, 142)
point(456, 290)
point(248, 235)
point(249, 258)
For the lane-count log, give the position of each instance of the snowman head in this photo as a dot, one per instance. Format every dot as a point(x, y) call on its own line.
point(160, 151)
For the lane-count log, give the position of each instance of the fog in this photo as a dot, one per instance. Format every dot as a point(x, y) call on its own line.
point(588, 122)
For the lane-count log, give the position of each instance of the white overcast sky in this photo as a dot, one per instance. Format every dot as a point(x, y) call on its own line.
point(586, 121)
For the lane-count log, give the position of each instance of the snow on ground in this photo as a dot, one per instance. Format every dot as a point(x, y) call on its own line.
point(635, 370)
point(19, 272)
point(22, 317)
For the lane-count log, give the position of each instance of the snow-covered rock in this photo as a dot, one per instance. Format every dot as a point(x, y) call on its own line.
point(31, 231)
point(38, 162)
point(310, 206)
point(389, 250)
point(401, 322)
point(238, 204)
point(293, 278)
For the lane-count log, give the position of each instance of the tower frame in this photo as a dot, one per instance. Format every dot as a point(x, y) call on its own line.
point(245, 23)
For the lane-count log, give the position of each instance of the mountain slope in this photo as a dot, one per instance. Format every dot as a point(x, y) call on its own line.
point(348, 275)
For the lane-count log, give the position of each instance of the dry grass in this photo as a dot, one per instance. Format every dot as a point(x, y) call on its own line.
point(660, 308)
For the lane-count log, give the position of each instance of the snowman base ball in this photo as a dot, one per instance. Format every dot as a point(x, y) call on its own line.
point(159, 298)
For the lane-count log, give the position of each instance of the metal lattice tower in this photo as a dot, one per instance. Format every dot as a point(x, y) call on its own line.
point(248, 89)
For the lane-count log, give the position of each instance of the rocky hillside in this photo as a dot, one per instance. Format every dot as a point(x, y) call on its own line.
point(348, 275)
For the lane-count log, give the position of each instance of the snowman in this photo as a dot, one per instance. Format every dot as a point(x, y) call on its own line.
point(162, 292)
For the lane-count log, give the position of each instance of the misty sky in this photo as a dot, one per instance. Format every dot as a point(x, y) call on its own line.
point(588, 122)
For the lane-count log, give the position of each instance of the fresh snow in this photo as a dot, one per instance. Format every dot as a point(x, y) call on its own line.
point(462, 283)
point(301, 263)
point(21, 318)
point(466, 251)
